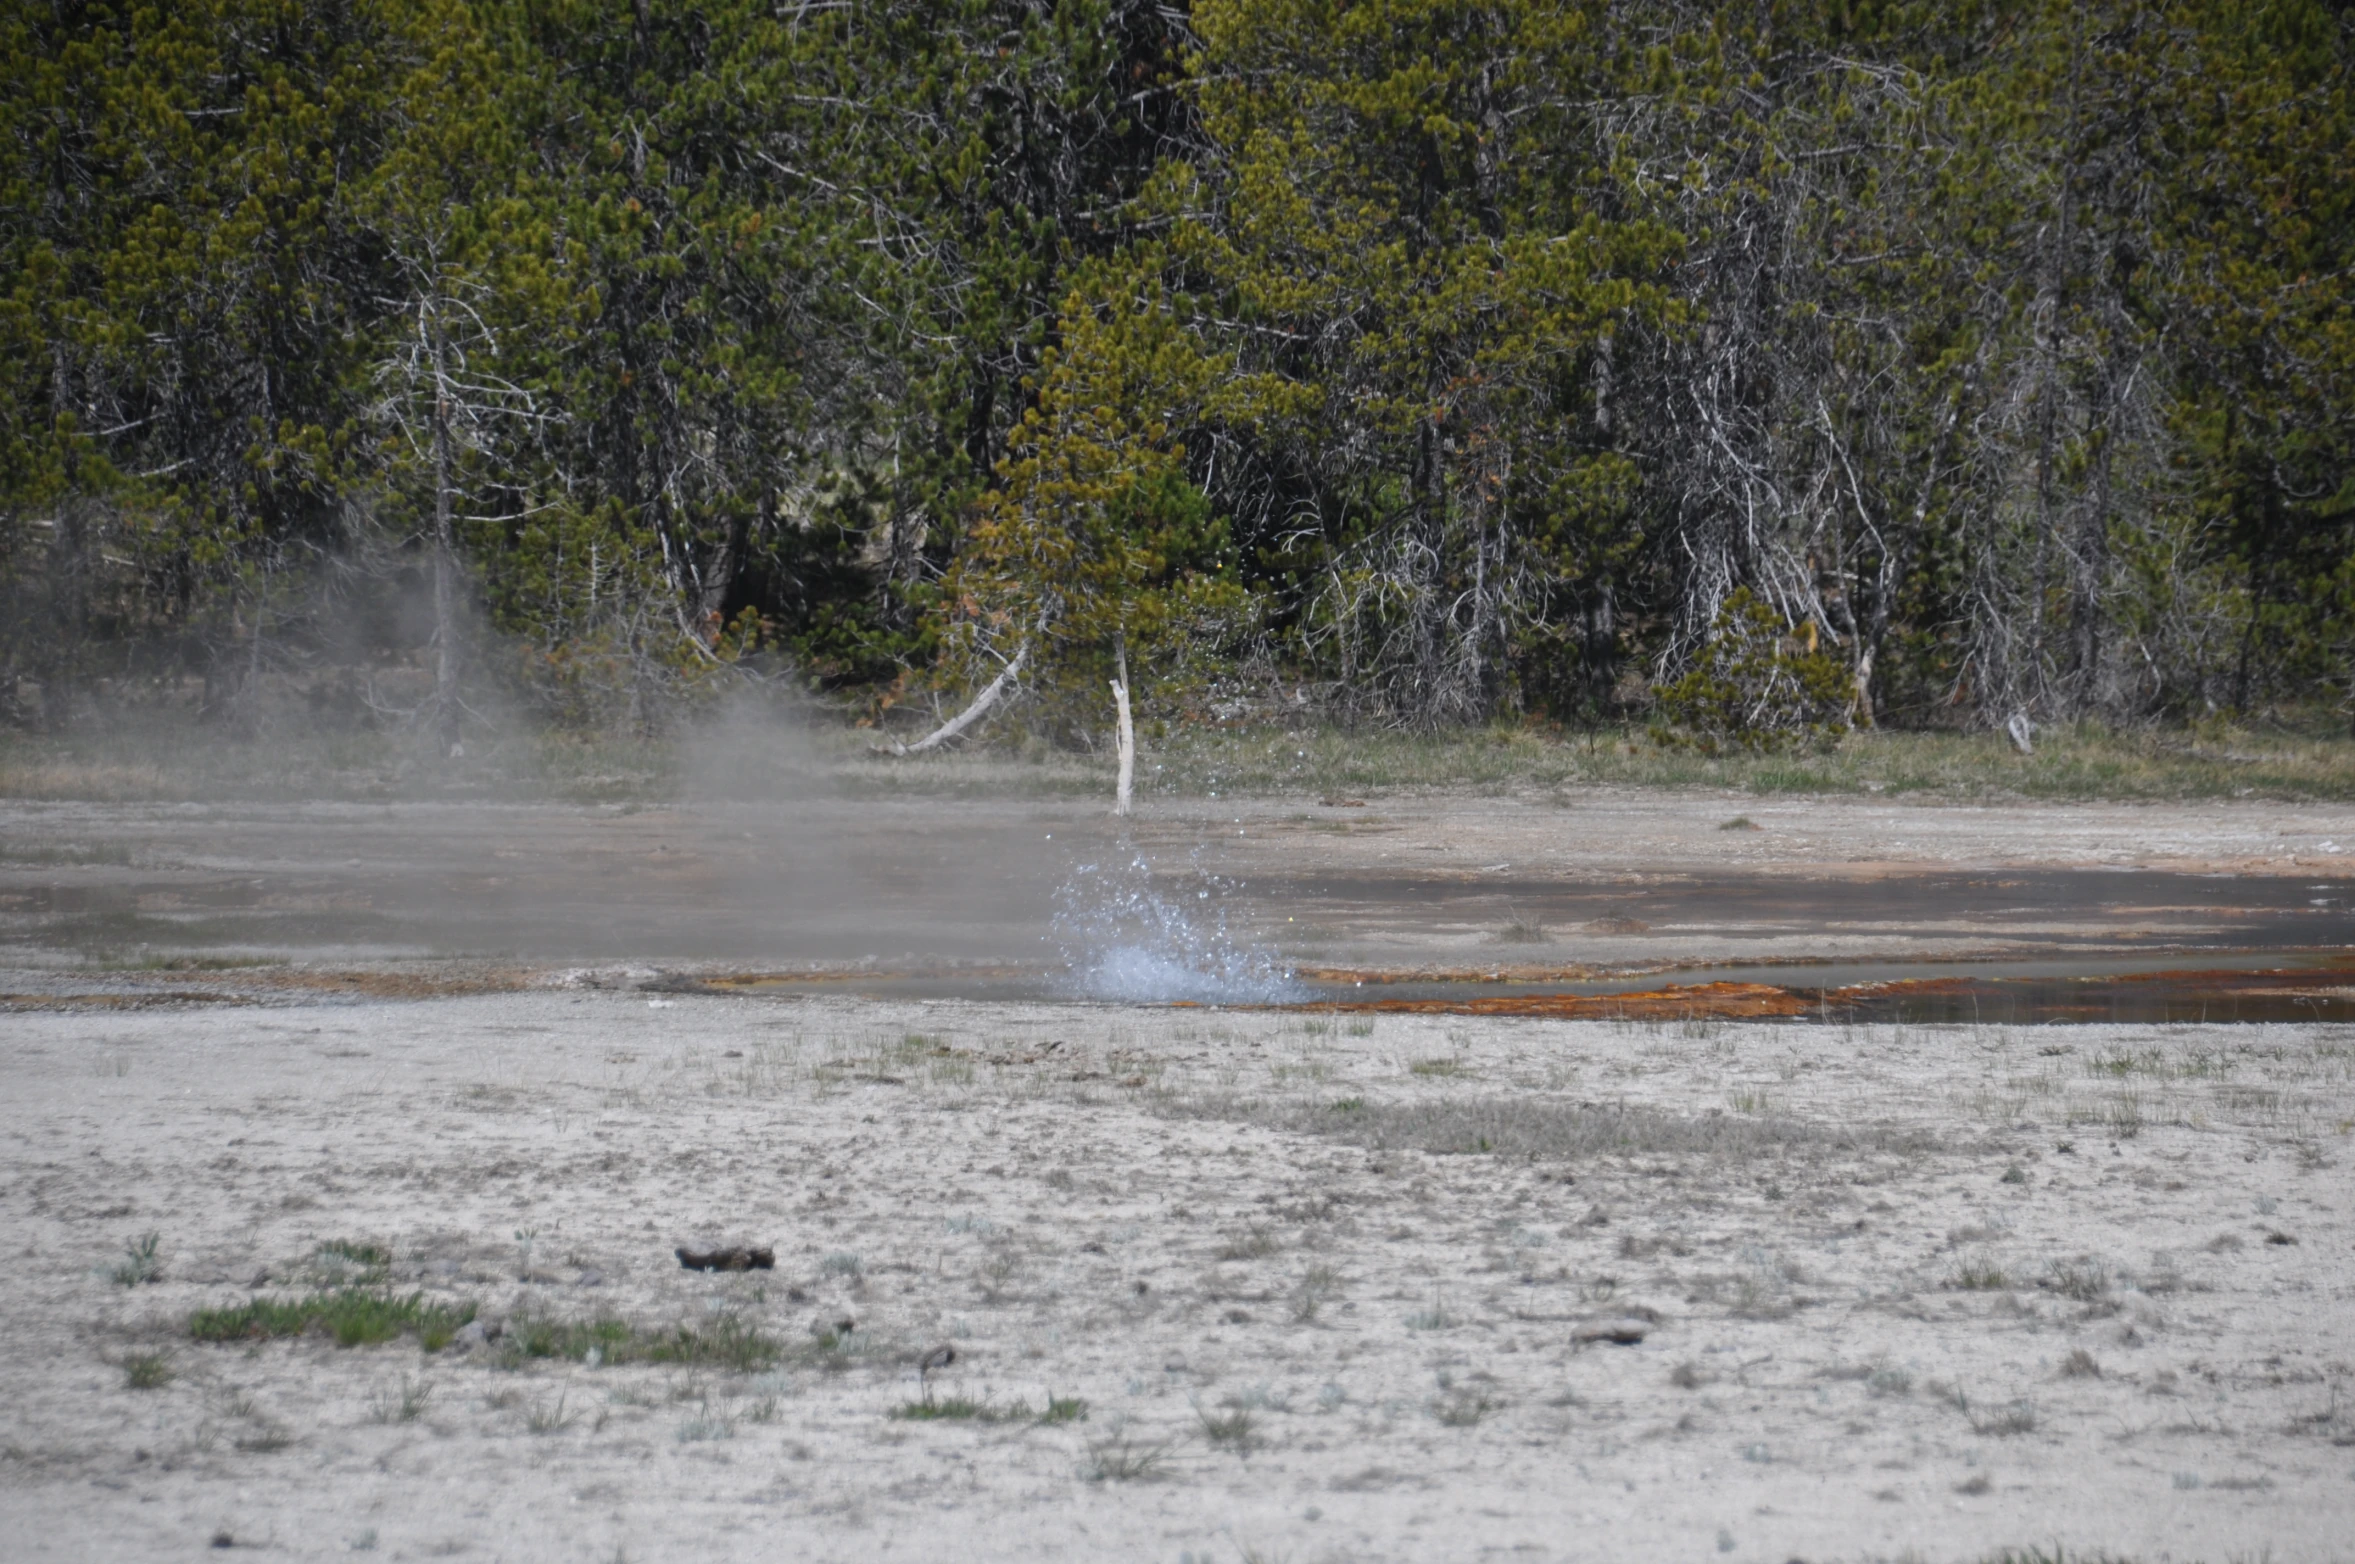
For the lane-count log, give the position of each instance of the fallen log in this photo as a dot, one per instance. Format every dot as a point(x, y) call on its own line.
point(970, 715)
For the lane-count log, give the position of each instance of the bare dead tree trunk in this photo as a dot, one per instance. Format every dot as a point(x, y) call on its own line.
point(1128, 732)
point(972, 714)
point(445, 575)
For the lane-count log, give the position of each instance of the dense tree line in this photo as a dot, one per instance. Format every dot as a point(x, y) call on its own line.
point(1419, 361)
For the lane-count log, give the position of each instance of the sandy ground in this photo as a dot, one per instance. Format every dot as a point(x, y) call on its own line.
point(1862, 1264)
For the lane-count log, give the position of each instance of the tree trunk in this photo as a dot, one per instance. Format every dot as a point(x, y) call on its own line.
point(445, 579)
point(971, 714)
point(1128, 734)
point(713, 578)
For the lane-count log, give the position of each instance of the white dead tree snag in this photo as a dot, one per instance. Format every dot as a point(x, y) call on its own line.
point(1128, 736)
point(443, 396)
point(972, 714)
point(445, 563)
point(2022, 733)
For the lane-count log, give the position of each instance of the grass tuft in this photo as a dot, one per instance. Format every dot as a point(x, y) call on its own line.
point(139, 1264)
point(341, 1262)
point(1230, 1428)
point(148, 1371)
point(1462, 1408)
point(354, 1316)
point(1434, 1318)
point(1253, 1243)
point(1317, 1285)
point(2019, 1417)
point(406, 1405)
point(1979, 1274)
point(1115, 1458)
point(2081, 1281)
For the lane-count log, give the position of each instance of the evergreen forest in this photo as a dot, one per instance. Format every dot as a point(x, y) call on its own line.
point(1755, 370)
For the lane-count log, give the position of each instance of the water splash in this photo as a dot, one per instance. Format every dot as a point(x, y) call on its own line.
point(1123, 938)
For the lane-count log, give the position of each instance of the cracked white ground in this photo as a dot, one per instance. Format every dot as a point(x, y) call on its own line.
point(1859, 1341)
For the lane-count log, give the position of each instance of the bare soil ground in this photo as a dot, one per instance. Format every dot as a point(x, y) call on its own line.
point(1403, 880)
point(1321, 1287)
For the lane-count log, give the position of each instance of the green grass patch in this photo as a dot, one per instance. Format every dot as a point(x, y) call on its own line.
point(728, 1343)
point(965, 1409)
point(2303, 759)
point(960, 1409)
point(2300, 756)
point(354, 1316)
